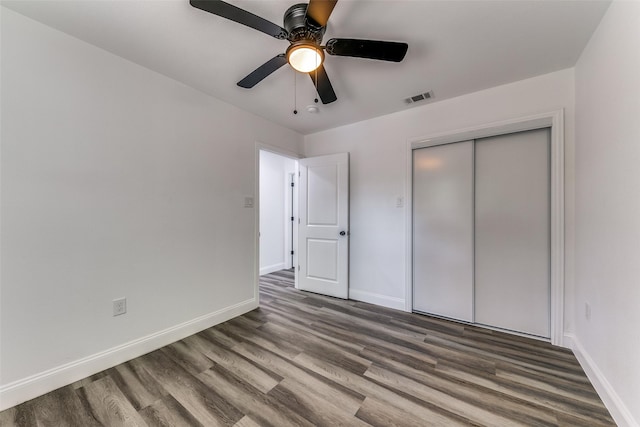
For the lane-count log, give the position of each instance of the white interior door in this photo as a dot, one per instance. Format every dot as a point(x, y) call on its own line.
point(512, 230)
point(323, 232)
point(443, 230)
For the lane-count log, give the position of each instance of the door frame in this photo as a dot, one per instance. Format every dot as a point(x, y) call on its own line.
point(553, 120)
point(260, 146)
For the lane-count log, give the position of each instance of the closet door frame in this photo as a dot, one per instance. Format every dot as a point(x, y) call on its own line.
point(553, 120)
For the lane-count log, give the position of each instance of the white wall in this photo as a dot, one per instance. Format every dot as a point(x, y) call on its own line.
point(378, 150)
point(608, 209)
point(116, 182)
point(275, 207)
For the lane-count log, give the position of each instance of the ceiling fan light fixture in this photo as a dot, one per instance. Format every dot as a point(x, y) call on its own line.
point(305, 57)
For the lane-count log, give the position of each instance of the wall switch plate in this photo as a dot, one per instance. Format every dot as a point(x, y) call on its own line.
point(399, 202)
point(119, 306)
point(248, 202)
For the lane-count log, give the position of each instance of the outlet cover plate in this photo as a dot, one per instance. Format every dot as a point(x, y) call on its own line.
point(119, 306)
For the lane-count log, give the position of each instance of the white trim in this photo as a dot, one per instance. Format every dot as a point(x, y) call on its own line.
point(289, 246)
point(619, 411)
point(408, 224)
point(36, 385)
point(554, 120)
point(277, 150)
point(557, 228)
point(522, 124)
point(271, 268)
point(296, 215)
point(377, 299)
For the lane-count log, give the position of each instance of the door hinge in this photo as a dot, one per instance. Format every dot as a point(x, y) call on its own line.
point(298, 220)
point(292, 184)
point(291, 218)
point(298, 268)
point(291, 252)
point(298, 173)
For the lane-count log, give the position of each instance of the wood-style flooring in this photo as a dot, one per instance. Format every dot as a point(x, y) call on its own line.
point(303, 359)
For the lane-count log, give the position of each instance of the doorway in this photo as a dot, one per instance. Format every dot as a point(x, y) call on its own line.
point(312, 218)
point(277, 211)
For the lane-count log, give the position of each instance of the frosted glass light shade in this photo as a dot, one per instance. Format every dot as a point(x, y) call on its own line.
point(305, 58)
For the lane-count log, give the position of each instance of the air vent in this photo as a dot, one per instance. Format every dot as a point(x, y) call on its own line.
point(419, 97)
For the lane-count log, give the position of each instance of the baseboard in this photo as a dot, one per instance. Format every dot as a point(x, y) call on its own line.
point(610, 398)
point(377, 299)
point(271, 268)
point(36, 385)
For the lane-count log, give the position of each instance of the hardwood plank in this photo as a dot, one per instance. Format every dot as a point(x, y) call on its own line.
point(521, 357)
point(559, 386)
point(245, 322)
point(251, 401)
point(550, 401)
point(261, 378)
point(428, 353)
point(189, 357)
point(376, 329)
point(327, 350)
point(168, 412)
point(8, 417)
point(140, 388)
point(85, 381)
point(380, 414)
point(362, 385)
point(319, 412)
point(22, 415)
point(293, 324)
point(257, 337)
point(365, 336)
point(246, 421)
point(324, 388)
point(223, 335)
point(203, 403)
point(508, 406)
point(473, 413)
point(62, 407)
point(567, 420)
point(109, 405)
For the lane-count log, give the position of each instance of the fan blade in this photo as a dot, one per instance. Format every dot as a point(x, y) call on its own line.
point(263, 71)
point(320, 10)
point(323, 85)
point(240, 16)
point(372, 49)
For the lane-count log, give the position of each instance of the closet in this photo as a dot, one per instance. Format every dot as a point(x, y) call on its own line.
point(481, 231)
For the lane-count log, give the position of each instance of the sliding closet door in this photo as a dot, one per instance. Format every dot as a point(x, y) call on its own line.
point(443, 230)
point(512, 232)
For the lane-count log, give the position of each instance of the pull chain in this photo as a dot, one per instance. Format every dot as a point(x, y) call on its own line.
point(295, 93)
point(316, 71)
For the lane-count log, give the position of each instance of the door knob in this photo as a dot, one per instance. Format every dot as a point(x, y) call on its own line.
point(343, 233)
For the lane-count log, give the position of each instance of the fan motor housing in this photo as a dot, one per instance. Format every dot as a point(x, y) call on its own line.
point(299, 28)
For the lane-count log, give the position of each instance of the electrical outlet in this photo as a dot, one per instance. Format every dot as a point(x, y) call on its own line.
point(119, 306)
point(587, 311)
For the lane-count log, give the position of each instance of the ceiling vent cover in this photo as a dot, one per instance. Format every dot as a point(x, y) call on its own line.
point(419, 97)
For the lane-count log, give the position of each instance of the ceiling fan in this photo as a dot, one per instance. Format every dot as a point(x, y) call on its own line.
point(304, 27)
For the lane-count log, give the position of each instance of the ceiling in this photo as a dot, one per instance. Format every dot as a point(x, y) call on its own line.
point(455, 47)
